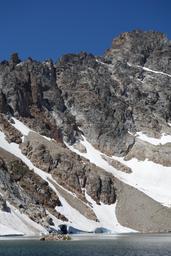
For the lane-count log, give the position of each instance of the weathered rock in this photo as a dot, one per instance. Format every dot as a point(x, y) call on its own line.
point(12, 134)
point(70, 170)
point(159, 154)
point(116, 164)
point(55, 237)
point(3, 205)
point(80, 147)
point(136, 210)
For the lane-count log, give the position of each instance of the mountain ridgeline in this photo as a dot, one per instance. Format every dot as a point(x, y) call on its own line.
point(91, 134)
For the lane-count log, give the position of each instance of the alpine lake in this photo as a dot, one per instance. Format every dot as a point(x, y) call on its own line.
point(90, 245)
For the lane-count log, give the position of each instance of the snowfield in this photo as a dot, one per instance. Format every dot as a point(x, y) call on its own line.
point(163, 139)
point(15, 223)
point(23, 128)
point(76, 219)
point(107, 217)
point(20, 127)
point(151, 178)
point(7, 231)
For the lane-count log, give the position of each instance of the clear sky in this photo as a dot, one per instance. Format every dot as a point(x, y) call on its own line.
point(49, 28)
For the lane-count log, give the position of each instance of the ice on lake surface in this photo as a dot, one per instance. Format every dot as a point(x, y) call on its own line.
point(122, 245)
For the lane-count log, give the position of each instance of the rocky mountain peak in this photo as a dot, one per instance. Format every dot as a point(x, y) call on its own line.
point(136, 46)
point(88, 133)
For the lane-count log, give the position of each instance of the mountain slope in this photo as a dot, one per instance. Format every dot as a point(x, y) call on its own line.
point(86, 141)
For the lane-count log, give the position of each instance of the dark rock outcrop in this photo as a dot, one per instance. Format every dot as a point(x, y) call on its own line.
point(12, 134)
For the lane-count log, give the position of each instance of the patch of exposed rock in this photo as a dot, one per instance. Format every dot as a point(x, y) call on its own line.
point(116, 164)
point(3, 204)
point(80, 147)
point(136, 210)
point(11, 133)
point(70, 170)
point(55, 237)
point(159, 154)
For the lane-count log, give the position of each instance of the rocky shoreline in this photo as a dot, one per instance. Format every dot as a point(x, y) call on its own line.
point(55, 237)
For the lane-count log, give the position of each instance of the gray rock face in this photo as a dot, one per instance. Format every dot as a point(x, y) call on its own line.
point(113, 94)
point(135, 47)
point(88, 94)
point(28, 84)
point(159, 154)
point(3, 205)
point(102, 97)
point(146, 93)
point(140, 212)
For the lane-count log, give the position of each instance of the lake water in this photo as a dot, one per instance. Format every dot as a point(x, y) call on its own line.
point(127, 245)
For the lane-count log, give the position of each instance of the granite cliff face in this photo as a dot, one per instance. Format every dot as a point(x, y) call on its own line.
point(112, 109)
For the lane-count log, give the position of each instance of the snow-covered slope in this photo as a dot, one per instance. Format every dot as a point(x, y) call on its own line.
point(149, 70)
point(7, 231)
point(72, 214)
point(165, 138)
point(20, 126)
point(76, 219)
point(151, 178)
point(107, 216)
point(15, 223)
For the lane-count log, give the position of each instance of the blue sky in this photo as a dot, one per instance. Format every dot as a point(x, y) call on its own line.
point(49, 28)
